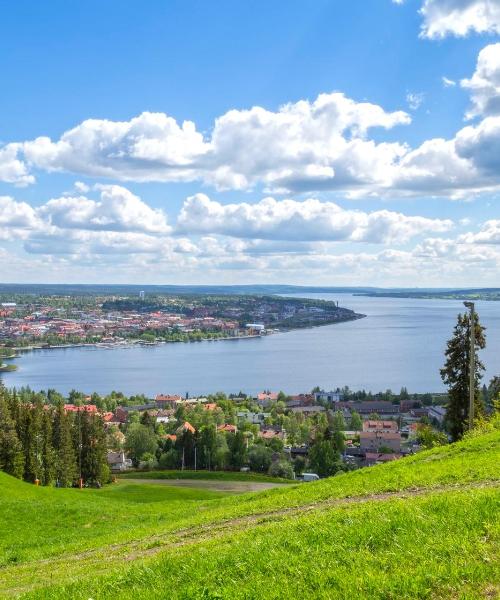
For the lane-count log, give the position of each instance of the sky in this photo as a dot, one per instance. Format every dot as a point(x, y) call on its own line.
point(330, 142)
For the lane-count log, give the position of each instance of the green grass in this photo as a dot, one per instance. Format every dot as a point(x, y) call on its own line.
point(156, 541)
point(203, 475)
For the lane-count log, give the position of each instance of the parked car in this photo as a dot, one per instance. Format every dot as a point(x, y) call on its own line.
point(310, 477)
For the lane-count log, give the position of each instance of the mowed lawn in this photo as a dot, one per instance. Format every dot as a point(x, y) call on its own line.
point(422, 527)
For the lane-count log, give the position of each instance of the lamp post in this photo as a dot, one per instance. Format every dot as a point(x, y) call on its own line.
point(472, 362)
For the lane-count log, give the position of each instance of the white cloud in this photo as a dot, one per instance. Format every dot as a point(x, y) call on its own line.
point(459, 17)
point(415, 100)
point(117, 210)
point(309, 220)
point(485, 83)
point(488, 234)
point(448, 82)
point(301, 145)
point(12, 168)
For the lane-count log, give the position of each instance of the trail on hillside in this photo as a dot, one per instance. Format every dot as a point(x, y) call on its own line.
point(28, 576)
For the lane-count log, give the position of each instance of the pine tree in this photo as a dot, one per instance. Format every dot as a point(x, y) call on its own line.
point(11, 452)
point(65, 460)
point(455, 374)
point(94, 464)
point(47, 450)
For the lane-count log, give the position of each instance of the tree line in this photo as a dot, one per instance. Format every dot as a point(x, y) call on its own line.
point(44, 443)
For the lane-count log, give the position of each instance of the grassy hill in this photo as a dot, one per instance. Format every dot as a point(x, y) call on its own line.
point(423, 527)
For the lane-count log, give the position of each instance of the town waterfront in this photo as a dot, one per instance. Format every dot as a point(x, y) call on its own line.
point(400, 343)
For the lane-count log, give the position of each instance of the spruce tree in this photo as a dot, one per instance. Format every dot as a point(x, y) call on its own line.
point(11, 452)
point(94, 454)
point(48, 455)
point(455, 374)
point(66, 468)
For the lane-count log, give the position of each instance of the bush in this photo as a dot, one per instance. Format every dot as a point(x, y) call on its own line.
point(169, 459)
point(148, 461)
point(281, 468)
point(259, 458)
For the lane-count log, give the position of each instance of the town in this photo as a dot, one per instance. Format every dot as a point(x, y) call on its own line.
point(319, 433)
point(44, 321)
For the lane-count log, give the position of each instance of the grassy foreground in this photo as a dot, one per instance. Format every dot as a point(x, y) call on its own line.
point(423, 527)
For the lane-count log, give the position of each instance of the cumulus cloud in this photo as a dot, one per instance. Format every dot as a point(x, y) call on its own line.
point(310, 220)
point(488, 234)
point(117, 210)
point(12, 168)
point(484, 84)
point(459, 17)
point(301, 145)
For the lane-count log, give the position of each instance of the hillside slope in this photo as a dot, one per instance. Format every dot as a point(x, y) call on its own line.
point(423, 527)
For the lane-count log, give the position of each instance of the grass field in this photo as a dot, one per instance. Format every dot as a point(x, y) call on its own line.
point(204, 475)
point(423, 527)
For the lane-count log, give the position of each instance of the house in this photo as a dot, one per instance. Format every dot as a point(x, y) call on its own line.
point(379, 407)
point(300, 400)
point(170, 436)
point(372, 441)
point(380, 426)
point(88, 408)
point(164, 416)
point(375, 458)
point(264, 399)
point(167, 401)
point(210, 406)
point(186, 426)
point(227, 428)
point(121, 415)
point(308, 411)
point(270, 434)
point(118, 461)
point(438, 413)
point(254, 418)
point(328, 397)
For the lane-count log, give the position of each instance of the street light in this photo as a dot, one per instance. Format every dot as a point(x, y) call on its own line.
point(472, 362)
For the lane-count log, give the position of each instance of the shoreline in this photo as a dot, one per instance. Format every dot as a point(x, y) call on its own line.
point(132, 343)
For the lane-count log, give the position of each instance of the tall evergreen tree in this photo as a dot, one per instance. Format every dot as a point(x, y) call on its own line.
point(11, 451)
point(48, 469)
point(66, 468)
point(94, 464)
point(455, 374)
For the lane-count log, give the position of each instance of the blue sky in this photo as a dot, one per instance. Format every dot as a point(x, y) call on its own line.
point(362, 192)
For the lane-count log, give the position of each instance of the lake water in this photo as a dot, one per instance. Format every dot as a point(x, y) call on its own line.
point(400, 343)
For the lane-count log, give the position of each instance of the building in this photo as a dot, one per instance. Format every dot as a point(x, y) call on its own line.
point(437, 413)
point(228, 428)
point(118, 461)
point(186, 426)
point(379, 407)
point(380, 426)
point(372, 441)
point(265, 399)
point(307, 410)
point(329, 397)
point(167, 401)
point(376, 458)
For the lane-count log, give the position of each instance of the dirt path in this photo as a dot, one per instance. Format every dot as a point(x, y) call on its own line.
point(70, 567)
point(212, 484)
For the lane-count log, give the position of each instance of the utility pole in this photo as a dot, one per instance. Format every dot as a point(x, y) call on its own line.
point(472, 362)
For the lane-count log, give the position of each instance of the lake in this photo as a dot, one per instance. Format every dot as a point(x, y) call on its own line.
point(400, 343)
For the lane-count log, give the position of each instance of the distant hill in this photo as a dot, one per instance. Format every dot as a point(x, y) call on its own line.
point(425, 526)
point(121, 289)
